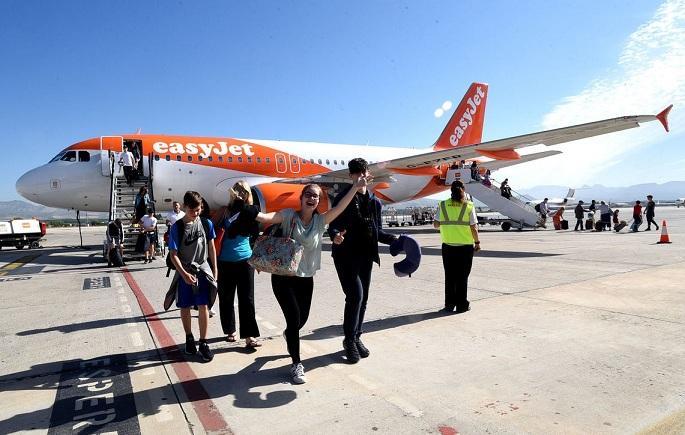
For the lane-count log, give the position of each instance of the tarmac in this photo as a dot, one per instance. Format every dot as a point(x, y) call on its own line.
point(569, 332)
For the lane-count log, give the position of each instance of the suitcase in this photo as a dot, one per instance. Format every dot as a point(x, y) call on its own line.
point(564, 225)
point(599, 226)
point(620, 226)
point(115, 257)
point(589, 224)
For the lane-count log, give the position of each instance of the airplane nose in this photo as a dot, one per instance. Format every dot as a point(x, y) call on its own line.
point(31, 186)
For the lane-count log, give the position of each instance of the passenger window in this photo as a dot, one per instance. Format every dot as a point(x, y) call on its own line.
point(178, 158)
point(328, 162)
point(210, 158)
point(199, 158)
point(240, 159)
point(335, 162)
point(190, 158)
point(167, 158)
point(230, 160)
point(156, 157)
point(268, 159)
point(311, 161)
point(319, 161)
point(249, 160)
point(342, 162)
point(69, 156)
point(83, 156)
point(221, 158)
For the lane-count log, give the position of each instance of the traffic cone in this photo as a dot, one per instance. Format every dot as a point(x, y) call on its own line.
point(664, 234)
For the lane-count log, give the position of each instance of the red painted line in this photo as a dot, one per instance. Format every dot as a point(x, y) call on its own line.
point(447, 430)
point(204, 406)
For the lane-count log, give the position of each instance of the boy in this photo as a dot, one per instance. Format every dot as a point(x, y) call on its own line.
point(149, 228)
point(195, 277)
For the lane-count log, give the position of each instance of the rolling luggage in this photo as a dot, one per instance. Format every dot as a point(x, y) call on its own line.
point(115, 258)
point(599, 226)
point(589, 224)
point(619, 226)
point(564, 224)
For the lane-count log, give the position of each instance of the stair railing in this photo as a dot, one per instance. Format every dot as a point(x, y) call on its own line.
point(112, 189)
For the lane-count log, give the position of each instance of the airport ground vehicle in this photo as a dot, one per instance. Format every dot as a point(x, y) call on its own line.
point(680, 202)
point(408, 217)
point(21, 233)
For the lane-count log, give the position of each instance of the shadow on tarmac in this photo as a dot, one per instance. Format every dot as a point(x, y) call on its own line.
point(383, 249)
point(102, 323)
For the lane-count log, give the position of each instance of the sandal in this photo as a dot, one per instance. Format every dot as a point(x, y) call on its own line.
point(231, 337)
point(252, 342)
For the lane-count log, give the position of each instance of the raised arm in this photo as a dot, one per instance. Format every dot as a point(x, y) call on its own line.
point(333, 213)
point(269, 218)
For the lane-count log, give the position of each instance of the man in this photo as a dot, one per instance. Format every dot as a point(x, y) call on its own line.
point(580, 217)
point(637, 217)
point(127, 160)
point(649, 211)
point(355, 234)
point(115, 231)
point(149, 227)
point(174, 215)
point(544, 210)
point(190, 248)
point(605, 214)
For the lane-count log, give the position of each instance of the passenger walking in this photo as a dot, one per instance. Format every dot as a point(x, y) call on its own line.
point(475, 175)
point(294, 293)
point(544, 210)
point(190, 248)
point(239, 224)
point(115, 233)
point(141, 203)
point(557, 218)
point(174, 215)
point(580, 217)
point(356, 234)
point(637, 217)
point(458, 226)
point(149, 229)
point(605, 214)
point(127, 160)
point(649, 212)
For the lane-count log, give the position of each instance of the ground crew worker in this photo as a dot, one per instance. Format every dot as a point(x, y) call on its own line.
point(458, 226)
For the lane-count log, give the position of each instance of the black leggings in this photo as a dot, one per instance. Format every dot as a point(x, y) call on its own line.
point(355, 278)
point(294, 295)
point(650, 221)
point(457, 261)
point(241, 275)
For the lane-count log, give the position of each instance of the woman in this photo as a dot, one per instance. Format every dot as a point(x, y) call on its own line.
point(557, 218)
point(294, 293)
point(142, 203)
point(458, 226)
point(238, 223)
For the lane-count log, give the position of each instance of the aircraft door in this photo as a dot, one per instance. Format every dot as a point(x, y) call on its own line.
point(294, 164)
point(110, 147)
point(281, 163)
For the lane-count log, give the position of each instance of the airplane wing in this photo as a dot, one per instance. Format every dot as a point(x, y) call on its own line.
point(502, 151)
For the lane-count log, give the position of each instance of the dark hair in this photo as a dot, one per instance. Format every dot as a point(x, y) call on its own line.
point(192, 199)
point(142, 188)
point(637, 202)
point(357, 165)
point(205, 209)
point(149, 210)
point(312, 186)
point(457, 190)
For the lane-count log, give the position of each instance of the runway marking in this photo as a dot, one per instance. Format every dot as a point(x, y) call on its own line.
point(123, 299)
point(137, 339)
point(126, 308)
point(121, 291)
point(164, 414)
point(205, 408)
point(405, 406)
point(269, 325)
point(363, 382)
point(149, 371)
point(16, 264)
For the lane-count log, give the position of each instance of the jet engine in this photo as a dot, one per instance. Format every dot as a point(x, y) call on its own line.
point(277, 196)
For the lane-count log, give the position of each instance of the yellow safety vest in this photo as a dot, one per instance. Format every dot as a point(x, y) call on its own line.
point(454, 222)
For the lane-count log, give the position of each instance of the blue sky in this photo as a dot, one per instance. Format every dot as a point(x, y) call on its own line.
point(345, 72)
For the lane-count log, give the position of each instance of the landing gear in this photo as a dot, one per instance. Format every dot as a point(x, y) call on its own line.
point(19, 245)
point(506, 226)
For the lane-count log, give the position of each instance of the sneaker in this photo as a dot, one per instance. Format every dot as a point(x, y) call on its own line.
point(297, 374)
point(351, 351)
point(190, 345)
point(212, 313)
point(447, 309)
point(463, 309)
point(205, 352)
point(363, 350)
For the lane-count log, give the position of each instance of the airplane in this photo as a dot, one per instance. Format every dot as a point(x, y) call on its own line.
point(78, 177)
point(555, 203)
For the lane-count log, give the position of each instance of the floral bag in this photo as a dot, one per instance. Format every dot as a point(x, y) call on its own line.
point(276, 254)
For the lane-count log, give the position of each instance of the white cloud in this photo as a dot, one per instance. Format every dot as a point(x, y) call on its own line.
point(447, 105)
point(650, 74)
point(438, 113)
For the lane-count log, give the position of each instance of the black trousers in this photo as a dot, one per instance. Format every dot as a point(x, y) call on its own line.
point(579, 224)
point(294, 295)
point(355, 278)
point(457, 261)
point(238, 275)
point(129, 174)
point(650, 221)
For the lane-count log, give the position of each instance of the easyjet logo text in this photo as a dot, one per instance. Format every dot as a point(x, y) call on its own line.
point(203, 149)
point(467, 117)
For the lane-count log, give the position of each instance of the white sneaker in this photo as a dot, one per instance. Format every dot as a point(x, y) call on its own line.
point(297, 373)
point(212, 313)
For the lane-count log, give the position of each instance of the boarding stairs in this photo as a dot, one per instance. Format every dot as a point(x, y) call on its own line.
point(521, 214)
point(122, 206)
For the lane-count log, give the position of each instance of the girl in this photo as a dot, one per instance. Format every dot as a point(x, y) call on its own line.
point(294, 293)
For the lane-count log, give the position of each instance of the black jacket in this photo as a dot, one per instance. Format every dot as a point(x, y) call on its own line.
point(351, 220)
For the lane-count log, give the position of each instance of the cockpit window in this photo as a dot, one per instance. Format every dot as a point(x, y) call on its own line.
point(69, 156)
point(57, 157)
point(83, 156)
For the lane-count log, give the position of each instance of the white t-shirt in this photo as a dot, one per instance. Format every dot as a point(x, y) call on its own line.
point(148, 222)
point(127, 158)
point(172, 217)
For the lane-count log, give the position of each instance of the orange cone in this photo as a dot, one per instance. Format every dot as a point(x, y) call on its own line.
point(664, 234)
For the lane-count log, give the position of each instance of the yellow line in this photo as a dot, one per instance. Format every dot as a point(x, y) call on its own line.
point(4, 270)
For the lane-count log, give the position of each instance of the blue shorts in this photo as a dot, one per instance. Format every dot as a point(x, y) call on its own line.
point(185, 296)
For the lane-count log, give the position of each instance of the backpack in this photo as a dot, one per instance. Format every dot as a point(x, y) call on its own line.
point(537, 208)
point(181, 229)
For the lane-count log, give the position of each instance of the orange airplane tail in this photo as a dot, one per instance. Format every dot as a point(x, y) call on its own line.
point(465, 127)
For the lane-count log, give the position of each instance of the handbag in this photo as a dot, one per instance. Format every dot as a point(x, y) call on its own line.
point(277, 255)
